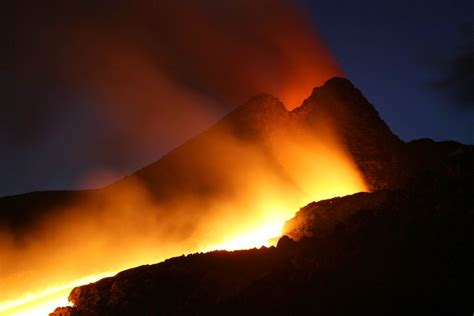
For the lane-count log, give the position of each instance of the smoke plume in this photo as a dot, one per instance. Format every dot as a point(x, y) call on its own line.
point(103, 88)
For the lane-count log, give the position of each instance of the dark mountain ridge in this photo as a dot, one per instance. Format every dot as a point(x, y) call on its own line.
point(384, 160)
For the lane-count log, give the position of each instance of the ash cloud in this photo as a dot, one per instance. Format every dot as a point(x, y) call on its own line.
point(107, 87)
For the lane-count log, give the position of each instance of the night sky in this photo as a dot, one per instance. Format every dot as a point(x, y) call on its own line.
point(411, 59)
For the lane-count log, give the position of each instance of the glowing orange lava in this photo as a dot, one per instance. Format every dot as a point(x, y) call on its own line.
point(46, 300)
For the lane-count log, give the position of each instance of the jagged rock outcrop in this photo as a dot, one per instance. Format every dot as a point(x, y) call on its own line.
point(375, 149)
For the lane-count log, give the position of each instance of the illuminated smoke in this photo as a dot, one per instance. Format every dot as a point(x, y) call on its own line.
point(229, 188)
point(159, 71)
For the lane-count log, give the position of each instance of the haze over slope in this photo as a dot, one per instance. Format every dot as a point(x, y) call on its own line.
point(254, 168)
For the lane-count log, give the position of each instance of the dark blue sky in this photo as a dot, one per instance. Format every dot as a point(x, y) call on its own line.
point(393, 51)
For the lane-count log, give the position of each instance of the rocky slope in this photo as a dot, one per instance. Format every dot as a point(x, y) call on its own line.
point(390, 252)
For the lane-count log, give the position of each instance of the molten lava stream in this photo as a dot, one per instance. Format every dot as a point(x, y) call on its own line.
point(44, 302)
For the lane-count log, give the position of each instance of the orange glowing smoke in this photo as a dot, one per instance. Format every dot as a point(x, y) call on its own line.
point(218, 191)
point(155, 71)
point(148, 67)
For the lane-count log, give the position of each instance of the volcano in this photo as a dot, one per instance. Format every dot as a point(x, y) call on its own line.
point(403, 245)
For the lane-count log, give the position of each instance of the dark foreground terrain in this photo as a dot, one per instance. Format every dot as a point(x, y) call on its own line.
point(405, 248)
